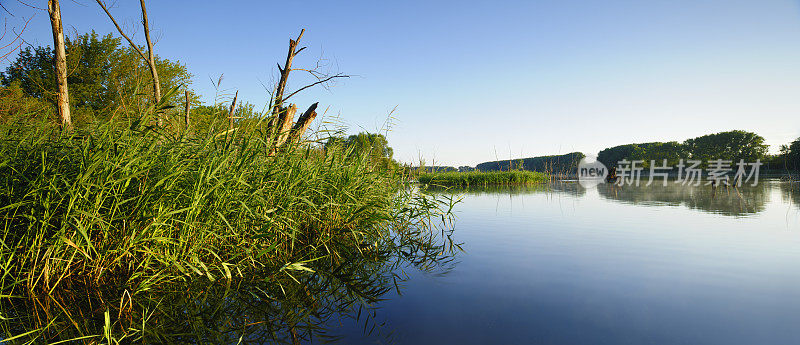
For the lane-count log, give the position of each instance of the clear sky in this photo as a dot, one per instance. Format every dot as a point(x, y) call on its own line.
point(476, 81)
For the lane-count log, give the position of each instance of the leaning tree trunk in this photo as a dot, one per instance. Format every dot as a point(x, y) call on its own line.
point(278, 111)
point(151, 62)
point(149, 59)
point(54, 9)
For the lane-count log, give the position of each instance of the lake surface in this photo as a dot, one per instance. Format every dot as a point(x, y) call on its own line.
point(609, 265)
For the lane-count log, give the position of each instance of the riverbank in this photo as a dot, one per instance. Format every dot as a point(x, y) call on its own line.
point(108, 214)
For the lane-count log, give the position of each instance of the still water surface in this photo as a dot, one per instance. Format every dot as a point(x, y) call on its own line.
point(609, 265)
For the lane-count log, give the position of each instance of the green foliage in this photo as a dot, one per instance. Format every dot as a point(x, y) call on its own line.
point(14, 104)
point(434, 169)
point(375, 146)
point(125, 215)
point(105, 78)
point(732, 145)
point(610, 156)
point(672, 151)
point(33, 71)
point(111, 206)
point(792, 154)
point(482, 178)
point(213, 118)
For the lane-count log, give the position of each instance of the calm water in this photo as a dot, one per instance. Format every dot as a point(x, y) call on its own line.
point(566, 265)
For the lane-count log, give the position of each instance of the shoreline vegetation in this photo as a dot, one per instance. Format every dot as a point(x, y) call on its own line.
point(111, 214)
point(127, 219)
point(482, 178)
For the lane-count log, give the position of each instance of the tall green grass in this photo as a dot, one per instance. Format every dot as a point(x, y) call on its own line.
point(482, 178)
point(135, 209)
point(120, 217)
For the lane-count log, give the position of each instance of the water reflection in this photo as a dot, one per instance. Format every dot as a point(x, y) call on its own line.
point(633, 265)
point(729, 201)
point(560, 187)
point(261, 311)
point(741, 201)
point(790, 192)
point(275, 306)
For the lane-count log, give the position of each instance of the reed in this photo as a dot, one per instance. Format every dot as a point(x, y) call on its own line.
point(136, 208)
point(482, 178)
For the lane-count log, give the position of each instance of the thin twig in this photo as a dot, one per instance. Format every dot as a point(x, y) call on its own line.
point(135, 47)
point(316, 83)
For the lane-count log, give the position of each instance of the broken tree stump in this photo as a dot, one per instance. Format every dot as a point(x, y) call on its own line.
point(304, 122)
point(284, 125)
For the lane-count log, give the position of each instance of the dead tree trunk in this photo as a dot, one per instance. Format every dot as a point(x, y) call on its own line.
point(186, 112)
point(54, 9)
point(287, 67)
point(280, 127)
point(151, 61)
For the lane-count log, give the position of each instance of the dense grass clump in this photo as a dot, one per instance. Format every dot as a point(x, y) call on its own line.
point(481, 178)
point(134, 208)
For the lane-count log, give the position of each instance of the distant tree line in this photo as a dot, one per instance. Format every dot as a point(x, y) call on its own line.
point(731, 145)
point(465, 168)
point(435, 168)
point(553, 164)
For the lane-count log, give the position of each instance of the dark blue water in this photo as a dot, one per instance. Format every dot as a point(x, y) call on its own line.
point(647, 265)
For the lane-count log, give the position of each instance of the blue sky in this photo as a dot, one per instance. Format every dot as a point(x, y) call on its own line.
point(476, 81)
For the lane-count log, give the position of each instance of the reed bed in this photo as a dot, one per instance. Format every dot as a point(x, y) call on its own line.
point(482, 178)
point(134, 208)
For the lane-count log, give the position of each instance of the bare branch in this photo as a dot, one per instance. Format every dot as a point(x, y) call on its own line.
point(322, 81)
point(135, 47)
point(31, 6)
point(4, 9)
point(149, 59)
point(11, 44)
